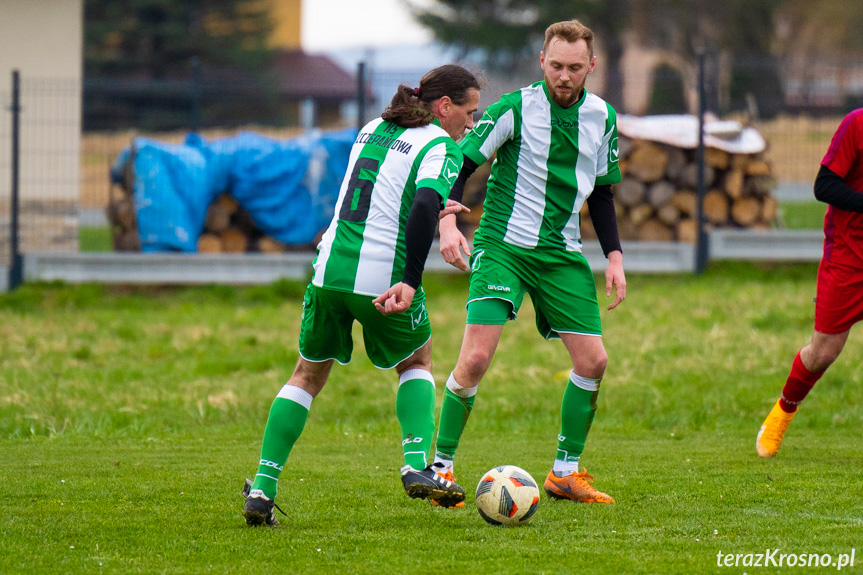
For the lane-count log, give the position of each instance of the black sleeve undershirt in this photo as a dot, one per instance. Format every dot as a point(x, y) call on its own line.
point(467, 169)
point(601, 206)
point(831, 189)
point(419, 234)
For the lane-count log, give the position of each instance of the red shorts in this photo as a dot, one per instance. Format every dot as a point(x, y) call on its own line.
point(839, 298)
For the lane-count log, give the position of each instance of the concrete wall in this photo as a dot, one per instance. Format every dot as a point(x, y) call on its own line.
point(43, 39)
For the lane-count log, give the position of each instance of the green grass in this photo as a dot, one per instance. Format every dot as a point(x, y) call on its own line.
point(95, 239)
point(129, 418)
point(803, 215)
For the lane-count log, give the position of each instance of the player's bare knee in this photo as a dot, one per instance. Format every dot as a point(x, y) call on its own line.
point(593, 366)
point(823, 358)
point(476, 363)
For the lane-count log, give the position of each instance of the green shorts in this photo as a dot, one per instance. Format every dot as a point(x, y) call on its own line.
point(561, 286)
point(328, 318)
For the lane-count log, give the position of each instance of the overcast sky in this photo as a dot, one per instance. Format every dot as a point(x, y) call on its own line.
point(334, 24)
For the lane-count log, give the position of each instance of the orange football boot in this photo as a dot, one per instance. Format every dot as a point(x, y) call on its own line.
point(576, 487)
point(772, 431)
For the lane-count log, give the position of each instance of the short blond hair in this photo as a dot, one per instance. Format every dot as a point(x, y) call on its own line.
point(569, 31)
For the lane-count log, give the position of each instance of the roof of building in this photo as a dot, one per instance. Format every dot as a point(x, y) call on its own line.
point(301, 75)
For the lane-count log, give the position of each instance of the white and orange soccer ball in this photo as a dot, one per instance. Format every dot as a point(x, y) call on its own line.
point(507, 495)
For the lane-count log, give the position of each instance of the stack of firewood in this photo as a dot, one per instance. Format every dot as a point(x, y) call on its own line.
point(120, 211)
point(656, 200)
point(230, 229)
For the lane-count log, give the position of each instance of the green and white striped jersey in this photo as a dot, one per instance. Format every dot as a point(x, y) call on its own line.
point(363, 249)
point(549, 159)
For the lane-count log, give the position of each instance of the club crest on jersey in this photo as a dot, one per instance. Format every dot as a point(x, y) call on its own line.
point(477, 255)
point(483, 125)
point(613, 151)
point(450, 171)
point(419, 316)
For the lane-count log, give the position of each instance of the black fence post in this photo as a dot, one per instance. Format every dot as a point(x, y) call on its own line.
point(16, 271)
point(196, 94)
point(361, 95)
point(701, 246)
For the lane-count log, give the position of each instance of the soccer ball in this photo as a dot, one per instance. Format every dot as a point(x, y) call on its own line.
point(507, 495)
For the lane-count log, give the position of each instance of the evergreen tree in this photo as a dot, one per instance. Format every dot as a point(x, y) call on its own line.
point(510, 31)
point(157, 38)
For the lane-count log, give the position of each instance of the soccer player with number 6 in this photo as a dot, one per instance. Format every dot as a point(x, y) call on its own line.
point(369, 269)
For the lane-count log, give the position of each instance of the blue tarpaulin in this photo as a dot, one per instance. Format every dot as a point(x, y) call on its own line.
point(289, 187)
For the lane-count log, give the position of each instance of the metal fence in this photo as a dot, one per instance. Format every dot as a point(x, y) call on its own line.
point(66, 150)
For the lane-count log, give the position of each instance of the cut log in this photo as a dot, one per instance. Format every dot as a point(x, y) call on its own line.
point(243, 221)
point(739, 161)
point(687, 231)
point(209, 244)
point(268, 245)
point(647, 163)
point(626, 229)
point(746, 211)
point(716, 207)
point(685, 202)
point(227, 202)
point(758, 168)
point(734, 184)
point(676, 162)
point(668, 215)
point(587, 230)
point(475, 215)
point(660, 193)
point(640, 214)
point(121, 212)
point(759, 185)
point(624, 147)
point(716, 158)
point(218, 219)
point(629, 192)
point(234, 241)
point(126, 241)
point(689, 177)
point(654, 231)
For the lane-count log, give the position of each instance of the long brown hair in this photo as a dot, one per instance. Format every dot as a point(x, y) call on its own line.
point(411, 108)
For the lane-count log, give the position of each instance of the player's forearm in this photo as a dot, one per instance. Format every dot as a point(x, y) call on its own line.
point(600, 203)
point(419, 234)
point(831, 189)
point(467, 170)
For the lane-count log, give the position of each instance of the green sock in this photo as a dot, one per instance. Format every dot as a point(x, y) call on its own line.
point(576, 416)
point(284, 426)
point(415, 410)
point(454, 414)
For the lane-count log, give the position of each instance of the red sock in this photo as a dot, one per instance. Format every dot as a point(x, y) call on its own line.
point(800, 382)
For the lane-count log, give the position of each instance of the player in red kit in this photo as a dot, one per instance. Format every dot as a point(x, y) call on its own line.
point(839, 295)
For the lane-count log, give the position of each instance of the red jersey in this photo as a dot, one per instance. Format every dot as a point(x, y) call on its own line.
point(843, 230)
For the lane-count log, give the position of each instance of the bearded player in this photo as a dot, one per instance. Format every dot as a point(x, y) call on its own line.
point(556, 146)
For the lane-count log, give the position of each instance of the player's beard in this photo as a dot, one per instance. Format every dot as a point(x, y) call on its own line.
point(565, 99)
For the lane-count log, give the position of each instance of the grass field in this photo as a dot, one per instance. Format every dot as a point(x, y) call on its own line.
point(129, 417)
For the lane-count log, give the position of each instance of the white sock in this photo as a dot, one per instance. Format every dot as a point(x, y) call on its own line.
point(442, 465)
point(564, 468)
point(453, 386)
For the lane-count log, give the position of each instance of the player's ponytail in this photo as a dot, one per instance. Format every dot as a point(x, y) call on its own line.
point(411, 107)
